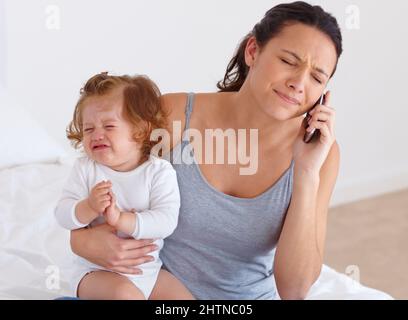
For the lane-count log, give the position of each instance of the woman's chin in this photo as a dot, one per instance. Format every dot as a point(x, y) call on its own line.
point(280, 114)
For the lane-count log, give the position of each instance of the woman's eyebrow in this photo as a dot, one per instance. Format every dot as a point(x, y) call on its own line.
point(299, 59)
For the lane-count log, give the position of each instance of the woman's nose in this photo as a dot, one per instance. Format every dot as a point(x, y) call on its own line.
point(297, 82)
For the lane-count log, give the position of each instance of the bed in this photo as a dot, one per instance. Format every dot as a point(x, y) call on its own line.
point(34, 251)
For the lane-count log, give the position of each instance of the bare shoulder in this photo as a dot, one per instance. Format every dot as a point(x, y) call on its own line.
point(174, 105)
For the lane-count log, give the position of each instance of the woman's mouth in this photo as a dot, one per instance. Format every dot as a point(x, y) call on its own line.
point(287, 99)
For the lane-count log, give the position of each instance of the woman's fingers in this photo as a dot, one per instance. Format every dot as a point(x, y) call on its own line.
point(323, 127)
point(319, 117)
point(322, 114)
point(319, 125)
point(315, 122)
point(327, 98)
point(137, 253)
point(133, 258)
point(141, 253)
point(130, 244)
point(135, 262)
point(322, 109)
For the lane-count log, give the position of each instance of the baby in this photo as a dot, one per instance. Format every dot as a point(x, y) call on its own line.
point(119, 182)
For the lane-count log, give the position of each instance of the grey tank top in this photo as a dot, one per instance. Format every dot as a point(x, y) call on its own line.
point(224, 246)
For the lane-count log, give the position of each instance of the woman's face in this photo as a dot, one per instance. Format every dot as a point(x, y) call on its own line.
point(289, 74)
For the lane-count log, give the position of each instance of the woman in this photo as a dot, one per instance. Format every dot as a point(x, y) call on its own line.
point(237, 231)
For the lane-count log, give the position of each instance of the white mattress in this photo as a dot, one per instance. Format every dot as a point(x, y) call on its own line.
point(35, 253)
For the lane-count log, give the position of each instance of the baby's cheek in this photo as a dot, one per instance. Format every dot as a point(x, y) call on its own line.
point(86, 147)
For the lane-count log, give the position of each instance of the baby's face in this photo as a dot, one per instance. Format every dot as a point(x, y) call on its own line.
point(107, 136)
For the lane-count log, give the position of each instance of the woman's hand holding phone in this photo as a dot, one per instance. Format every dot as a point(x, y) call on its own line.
point(318, 130)
point(315, 133)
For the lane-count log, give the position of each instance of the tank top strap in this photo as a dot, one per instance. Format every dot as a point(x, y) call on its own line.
point(189, 109)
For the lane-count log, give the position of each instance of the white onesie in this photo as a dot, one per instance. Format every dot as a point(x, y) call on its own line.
point(151, 190)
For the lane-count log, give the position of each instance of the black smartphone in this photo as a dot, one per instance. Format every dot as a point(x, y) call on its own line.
point(313, 135)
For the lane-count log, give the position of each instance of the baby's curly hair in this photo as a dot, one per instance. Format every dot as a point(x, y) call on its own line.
point(141, 106)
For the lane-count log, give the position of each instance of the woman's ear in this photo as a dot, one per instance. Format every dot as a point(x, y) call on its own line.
point(251, 51)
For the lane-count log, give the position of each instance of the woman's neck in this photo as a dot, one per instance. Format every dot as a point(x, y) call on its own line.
point(241, 111)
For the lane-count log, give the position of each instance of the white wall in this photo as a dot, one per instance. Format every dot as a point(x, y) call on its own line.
point(2, 44)
point(185, 46)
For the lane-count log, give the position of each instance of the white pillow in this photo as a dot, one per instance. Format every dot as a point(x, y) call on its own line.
point(22, 139)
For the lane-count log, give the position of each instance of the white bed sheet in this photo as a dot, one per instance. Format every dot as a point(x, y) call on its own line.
point(35, 253)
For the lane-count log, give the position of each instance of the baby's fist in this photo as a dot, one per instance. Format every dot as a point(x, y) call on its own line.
point(99, 198)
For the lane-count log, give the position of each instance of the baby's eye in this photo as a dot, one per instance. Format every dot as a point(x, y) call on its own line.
point(88, 130)
point(109, 126)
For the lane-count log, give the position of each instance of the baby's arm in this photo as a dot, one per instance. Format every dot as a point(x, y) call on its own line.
point(160, 220)
point(76, 207)
point(74, 191)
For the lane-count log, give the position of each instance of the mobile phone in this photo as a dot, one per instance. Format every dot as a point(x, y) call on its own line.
point(313, 135)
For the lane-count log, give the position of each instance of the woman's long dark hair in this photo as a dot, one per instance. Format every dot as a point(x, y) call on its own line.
point(270, 26)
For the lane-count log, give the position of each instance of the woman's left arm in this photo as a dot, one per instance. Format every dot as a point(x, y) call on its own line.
point(300, 250)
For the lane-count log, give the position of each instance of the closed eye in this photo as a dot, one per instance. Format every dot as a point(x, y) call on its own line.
point(286, 62)
point(317, 80)
point(88, 129)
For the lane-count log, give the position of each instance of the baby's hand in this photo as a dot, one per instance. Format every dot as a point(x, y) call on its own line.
point(112, 212)
point(99, 198)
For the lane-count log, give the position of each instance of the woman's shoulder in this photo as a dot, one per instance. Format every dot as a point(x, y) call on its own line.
point(174, 104)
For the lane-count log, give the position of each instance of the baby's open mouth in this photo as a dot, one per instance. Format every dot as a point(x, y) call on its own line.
point(100, 146)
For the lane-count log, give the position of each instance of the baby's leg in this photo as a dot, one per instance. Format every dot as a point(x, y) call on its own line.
point(105, 285)
point(168, 287)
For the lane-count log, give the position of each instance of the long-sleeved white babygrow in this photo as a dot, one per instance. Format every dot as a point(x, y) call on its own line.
point(151, 190)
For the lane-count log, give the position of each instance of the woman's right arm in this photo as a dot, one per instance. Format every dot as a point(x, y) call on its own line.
point(101, 245)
